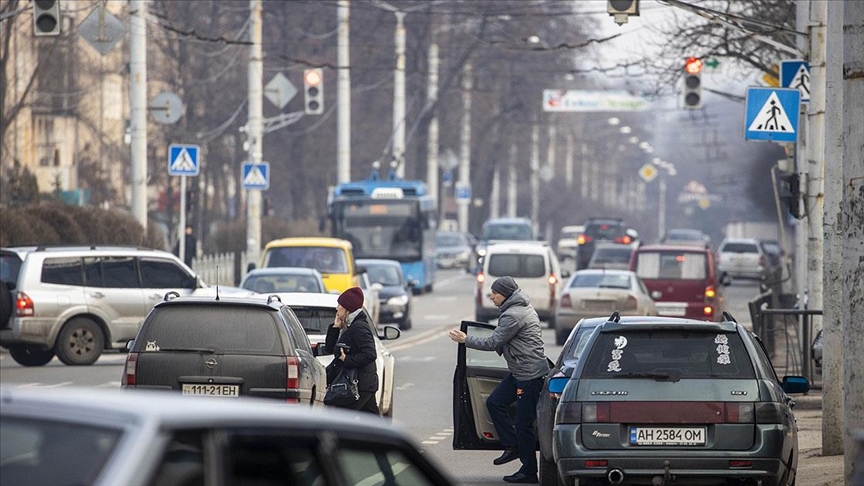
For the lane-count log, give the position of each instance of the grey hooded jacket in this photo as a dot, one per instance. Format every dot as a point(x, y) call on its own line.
point(518, 338)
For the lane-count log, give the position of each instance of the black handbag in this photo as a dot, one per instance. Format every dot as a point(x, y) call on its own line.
point(343, 391)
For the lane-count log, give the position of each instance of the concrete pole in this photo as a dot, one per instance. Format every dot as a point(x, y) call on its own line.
point(343, 147)
point(568, 162)
point(802, 14)
point(832, 281)
point(432, 136)
point(138, 100)
point(465, 147)
point(535, 176)
point(815, 156)
point(255, 131)
point(583, 173)
point(550, 146)
point(511, 181)
point(495, 196)
point(661, 208)
point(181, 230)
point(399, 97)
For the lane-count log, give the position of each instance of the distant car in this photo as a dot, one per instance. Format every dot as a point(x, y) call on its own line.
point(395, 291)
point(332, 257)
point(316, 312)
point(568, 242)
point(592, 293)
point(685, 237)
point(742, 258)
point(648, 398)
point(774, 255)
point(503, 229)
point(600, 230)
point(228, 347)
point(283, 279)
point(453, 249)
point(108, 437)
point(611, 256)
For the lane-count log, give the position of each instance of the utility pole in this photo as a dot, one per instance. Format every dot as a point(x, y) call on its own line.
point(343, 147)
point(138, 100)
point(432, 137)
point(568, 161)
point(255, 130)
point(661, 208)
point(465, 147)
point(399, 97)
point(535, 175)
point(550, 146)
point(802, 14)
point(495, 196)
point(511, 181)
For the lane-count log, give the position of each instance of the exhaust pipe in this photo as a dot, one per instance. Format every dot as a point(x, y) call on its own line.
point(616, 476)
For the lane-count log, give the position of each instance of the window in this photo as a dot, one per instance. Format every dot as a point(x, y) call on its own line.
point(183, 461)
point(601, 280)
point(266, 284)
point(740, 248)
point(604, 231)
point(672, 265)
point(373, 465)
point(262, 458)
point(516, 265)
point(386, 275)
point(62, 271)
point(499, 231)
point(296, 334)
point(323, 259)
point(576, 345)
point(479, 358)
point(117, 272)
point(164, 274)
point(314, 319)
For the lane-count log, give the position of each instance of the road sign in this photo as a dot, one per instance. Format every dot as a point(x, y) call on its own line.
point(772, 114)
point(256, 176)
point(102, 30)
point(183, 160)
point(648, 172)
point(463, 192)
point(795, 74)
point(447, 180)
point(280, 90)
point(166, 108)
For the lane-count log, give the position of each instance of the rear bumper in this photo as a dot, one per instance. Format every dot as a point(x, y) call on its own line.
point(27, 330)
point(741, 272)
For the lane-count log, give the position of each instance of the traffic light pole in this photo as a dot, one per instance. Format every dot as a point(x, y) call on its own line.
point(181, 232)
point(465, 145)
point(343, 150)
point(255, 129)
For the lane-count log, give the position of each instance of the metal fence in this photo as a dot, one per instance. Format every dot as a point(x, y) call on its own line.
point(221, 268)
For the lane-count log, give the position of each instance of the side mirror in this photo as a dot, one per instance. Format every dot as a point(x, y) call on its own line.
point(318, 349)
point(656, 294)
point(390, 333)
point(376, 287)
point(130, 344)
point(565, 274)
point(413, 284)
point(557, 385)
point(250, 267)
point(795, 384)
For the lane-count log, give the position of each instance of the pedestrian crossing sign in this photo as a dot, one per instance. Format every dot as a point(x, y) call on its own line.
point(795, 74)
point(256, 176)
point(771, 114)
point(183, 160)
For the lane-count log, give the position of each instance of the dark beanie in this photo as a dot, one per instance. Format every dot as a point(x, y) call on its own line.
point(351, 299)
point(505, 286)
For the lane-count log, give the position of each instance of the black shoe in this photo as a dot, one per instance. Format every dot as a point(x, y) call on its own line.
point(510, 454)
point(521, 477)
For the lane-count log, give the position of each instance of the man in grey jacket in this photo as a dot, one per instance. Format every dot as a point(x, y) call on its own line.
point(519, 339)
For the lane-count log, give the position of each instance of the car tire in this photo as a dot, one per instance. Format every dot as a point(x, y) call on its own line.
point(549, 473)
point(428, 289)
point(80, 342)
point(405, 323)
point(561, 336)
point(31, 354)
point(5, 304)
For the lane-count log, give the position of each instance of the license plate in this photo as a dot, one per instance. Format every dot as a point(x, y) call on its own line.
point(666, 436)
point(598, 306)
point(671, 309)
point(212, 390)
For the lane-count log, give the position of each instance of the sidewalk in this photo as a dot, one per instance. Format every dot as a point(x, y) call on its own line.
point(814, 469)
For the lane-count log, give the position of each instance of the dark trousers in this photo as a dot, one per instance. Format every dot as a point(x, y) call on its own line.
point(521, 435)
point(367, 403)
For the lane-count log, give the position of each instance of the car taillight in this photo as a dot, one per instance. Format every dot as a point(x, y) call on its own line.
point(568, 413)
point(631, 303)
point(739, 412)
point(565, 301)
point(624, 240)
point(769, 413)
point(552, 291)
point(292, 382)
point(130, 372)
point(552, 279)
point(596, 463)
point(595, 412)
point(710, 292)
point(480, 279)
point(583, 239)
point(708, 310)
point(24, 305)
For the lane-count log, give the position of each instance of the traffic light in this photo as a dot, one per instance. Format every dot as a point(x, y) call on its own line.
point(790, 192)
point(46, 17)
point(693, 83)
point(622, 10)
point(313, 91)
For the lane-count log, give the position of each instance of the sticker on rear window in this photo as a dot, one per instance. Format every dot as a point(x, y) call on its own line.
point(615, 365)
point(621, 342)
point(151, 346)
point(722, 342)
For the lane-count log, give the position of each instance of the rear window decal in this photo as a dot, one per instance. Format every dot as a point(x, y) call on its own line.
point(151, 346)
point(620, 343)
point(614, 366)
point(722, 342)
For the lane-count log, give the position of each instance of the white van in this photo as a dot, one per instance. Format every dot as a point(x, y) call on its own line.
point(536, 270)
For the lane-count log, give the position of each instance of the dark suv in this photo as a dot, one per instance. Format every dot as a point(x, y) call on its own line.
point(225, 347)
point(599, 230)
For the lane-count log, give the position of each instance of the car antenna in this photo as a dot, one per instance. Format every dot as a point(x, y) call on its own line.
point(217, 283)
point(728, 317)
point(615, 317)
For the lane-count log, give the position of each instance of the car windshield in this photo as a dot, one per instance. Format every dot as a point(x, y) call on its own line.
point(450, 239)
point(53, 452)
point(601, 280)
point(386, 275)
point(683, 353)
point(323, 259)
point(264, 284)
point(516, 266)
point(570, 235)
point(671, 265)
point(612, 255)
point(740, 248)
point(604, 231)
point(519, 232)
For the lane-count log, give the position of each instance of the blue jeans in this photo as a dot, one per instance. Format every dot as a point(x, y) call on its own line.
point(521, 435)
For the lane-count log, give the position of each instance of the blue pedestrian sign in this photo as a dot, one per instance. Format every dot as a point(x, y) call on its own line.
point(183, 160)
point(448, 178)
point(772, 114)
point(795, 74)
point(463, 192)
point(256, 176)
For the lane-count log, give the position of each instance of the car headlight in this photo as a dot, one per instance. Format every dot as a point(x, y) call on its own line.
point(398, 300)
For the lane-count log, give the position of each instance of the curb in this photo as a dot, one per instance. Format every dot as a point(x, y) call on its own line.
point(807, 402)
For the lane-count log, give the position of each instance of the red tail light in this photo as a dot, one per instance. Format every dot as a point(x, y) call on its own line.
point(769, 413)
point(552, 279)
point(708, 310)
point(565, 301)
point(623, 240)
point(480, 279)
point(24, 305)
point(292, 381)
point(130, 373)
point(583, 239)
point(739, 412)
point(595, 412)
point(552, 291)
point(596, 463)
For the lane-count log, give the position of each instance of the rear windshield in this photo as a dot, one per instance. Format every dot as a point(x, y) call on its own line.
point(452, 239)
point(604, 231)
point(740, 248)
point(323, 259)
point(601, 280)
point(684, 235)
point(222, 328)
point(576, 345)
point(680, 353)
point(264, 284)
point(672, 265)
point(572, 235)
point(612, 255)
point(517, 266)
point(517, 232)
point(315, 319)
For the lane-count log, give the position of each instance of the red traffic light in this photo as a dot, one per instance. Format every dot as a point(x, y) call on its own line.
point(693, 65)
point(312, 77)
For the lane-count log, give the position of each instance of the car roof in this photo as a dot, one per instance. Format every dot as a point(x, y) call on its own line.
point(310, 241)
point(610, 244)
point(507, 221)
point(284, 271)
point(574, 227)
point(682, 248)
point(668, 323)
point(741, 240)
point(22, 251)
point(307, 299)
point(378, 261)
point(602, 271)
point(504, 246)
point(253, 300)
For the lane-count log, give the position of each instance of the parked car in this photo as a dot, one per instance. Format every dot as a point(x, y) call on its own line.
point(600, 230)
point(593, 293)
point(77, 301)
point(316, 312)
point(613, 256)
point(283, 279)
point(742, 258)
point(453, 249)
point(652, 397)
point(685, 237)
point(332, 257)
point(682, 280)
point(108, 437)
point(536, 270)
point(568, 242)
point(225, 347)
point(502, 229)
point(394, 290)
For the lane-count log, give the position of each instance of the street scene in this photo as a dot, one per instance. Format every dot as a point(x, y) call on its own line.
point(431, 242)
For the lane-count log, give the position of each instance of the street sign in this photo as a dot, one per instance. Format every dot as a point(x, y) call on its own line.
point(280, 90)
point(772, 114)
point(648, 172)
point(166, 108)
point(256, 176)
point(102, 30)
point(463, 192)
point(447, 180)
point(559, 100)
point(183, 160)
point(795, 74)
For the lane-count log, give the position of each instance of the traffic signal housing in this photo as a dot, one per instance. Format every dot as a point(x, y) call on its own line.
point(790, 193)
point(313, 91)
point(693, 83)
point(622, 10)
point(46, 17)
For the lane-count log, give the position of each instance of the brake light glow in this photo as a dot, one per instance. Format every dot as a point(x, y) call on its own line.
point(679, 258)
point(600, 463)
point(292, 381)
point(552, 279)
point(489, 435)
point(565, 301)
point(709, 292)
point(131, 371)
point(708, 310)
point(24, 305)
point(481, 278)
point(623, 239)
point(583, 239)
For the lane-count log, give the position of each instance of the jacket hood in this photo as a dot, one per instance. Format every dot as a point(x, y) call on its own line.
point(518, 298)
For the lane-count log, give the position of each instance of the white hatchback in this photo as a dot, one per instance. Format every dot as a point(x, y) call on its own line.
point(741, 258)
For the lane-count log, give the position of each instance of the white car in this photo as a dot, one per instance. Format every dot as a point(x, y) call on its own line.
point(568, 242)
point(317, 311)
point(741, 258)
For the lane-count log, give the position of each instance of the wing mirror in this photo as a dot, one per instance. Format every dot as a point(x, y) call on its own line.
point(413, 284)
point(565, 273)
point(726, 280)
point(250, 267)
point(795, 384)
point(557, 385)
point(376, 287)
point(130, 344)
point(359, 269)
point(390, 333)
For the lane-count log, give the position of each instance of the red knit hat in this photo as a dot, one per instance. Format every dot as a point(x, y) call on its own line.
point(351, 299)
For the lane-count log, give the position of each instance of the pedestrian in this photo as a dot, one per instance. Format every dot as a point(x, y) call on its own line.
point(519, 339)
point(351, 341)
point(190, 247)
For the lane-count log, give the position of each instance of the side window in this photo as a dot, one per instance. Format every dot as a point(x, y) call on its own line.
point(119, 272)
point(164, 274)
point(762, 358)
point(267, 459)
point(296, 334)
point(372, 464)
point(182, 463)
point(92, 272)
point(62, 271)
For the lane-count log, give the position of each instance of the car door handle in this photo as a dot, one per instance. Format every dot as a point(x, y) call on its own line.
point(97, 295)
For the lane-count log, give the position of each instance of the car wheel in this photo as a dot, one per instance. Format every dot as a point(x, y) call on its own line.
point(405, 323)
point(428, 289)
point(80, 342)
point(30, 354)
point(5, 304)
point(549, 473)
point(561, 336)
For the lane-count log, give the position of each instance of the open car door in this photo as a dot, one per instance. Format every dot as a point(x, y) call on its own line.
point(477, 374)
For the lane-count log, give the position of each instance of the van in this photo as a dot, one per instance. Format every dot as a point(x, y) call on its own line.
point(682, 280)
point(536, 270)
point(332, 257)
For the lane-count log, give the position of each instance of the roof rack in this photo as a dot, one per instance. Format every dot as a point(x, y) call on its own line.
point(615, 317)
point(89, 247)
point(728, 317)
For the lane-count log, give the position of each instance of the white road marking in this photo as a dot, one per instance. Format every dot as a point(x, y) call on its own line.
point(28, 385)
point(58, 385)
point(404, 387)
point(429, 442)
point(109, 384)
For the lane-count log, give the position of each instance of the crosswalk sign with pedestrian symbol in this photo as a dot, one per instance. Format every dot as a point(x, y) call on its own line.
point(772, 114)
point(795, 74)
point(256, 176)
point(183, 160)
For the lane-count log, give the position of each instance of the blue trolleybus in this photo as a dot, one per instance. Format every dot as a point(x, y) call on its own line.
point(393, 219)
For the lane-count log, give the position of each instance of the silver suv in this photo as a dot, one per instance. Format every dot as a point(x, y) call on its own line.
point(75, 302)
